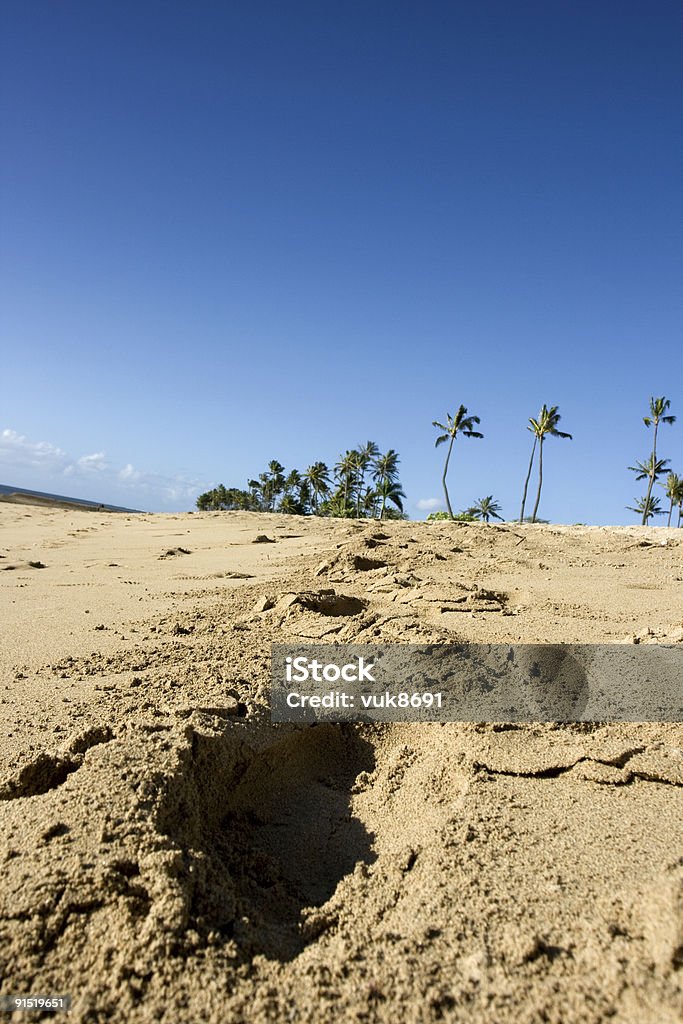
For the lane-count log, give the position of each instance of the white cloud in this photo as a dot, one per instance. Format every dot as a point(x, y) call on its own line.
point(129, 474)
point(95, 462)
point(171, 489)
point(43, 465)
point(17, 450)
point(429, 504)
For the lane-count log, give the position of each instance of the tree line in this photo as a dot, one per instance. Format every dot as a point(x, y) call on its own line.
point(363, 484)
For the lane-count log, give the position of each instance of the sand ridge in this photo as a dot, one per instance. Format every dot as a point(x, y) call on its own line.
point(168, 854)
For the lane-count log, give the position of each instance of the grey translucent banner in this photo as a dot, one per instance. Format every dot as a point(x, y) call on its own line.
point(477, 683)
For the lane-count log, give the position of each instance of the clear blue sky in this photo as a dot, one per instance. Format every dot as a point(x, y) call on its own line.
point(240, 231)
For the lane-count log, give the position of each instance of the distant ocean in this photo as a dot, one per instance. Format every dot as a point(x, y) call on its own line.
point(4, 489)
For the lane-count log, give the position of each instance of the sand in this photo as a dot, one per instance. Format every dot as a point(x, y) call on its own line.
point(170, 855)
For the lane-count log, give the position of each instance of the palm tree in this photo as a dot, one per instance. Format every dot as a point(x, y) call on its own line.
point(272, 483)
point(386, 466)
point(389, 490)
point(318, 476)
point(647, 508)
point(650, 469)
point(528, 473)
point(265, 490)
point(337, 505)
point(486, 509)
point(256, 492)
point(674, 492)
point(304, 495)
point(364, 457)
point(345, 471)
point(679, 501)
point(463, 424)
point(289, 505)
point(658, 409)
point(276, 470)
point(544, 426)
point(293, 481)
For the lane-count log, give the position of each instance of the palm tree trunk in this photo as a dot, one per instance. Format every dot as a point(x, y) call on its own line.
point(384, 502)
point(540, 480)
point(443, 479)
point(526, 482)
point(680, 515)
point(671, 508)
point(651, 479)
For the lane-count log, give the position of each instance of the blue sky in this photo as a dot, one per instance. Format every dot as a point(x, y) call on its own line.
point(240, 231)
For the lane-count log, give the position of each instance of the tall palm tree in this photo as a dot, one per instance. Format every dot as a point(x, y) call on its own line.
point(256, 493)
point(272, 483)
point(364, 457)
point(463, 424)
point(389, 490)
point(318, 476)
point(486, 509)
point(658, 414)
point(528, 473)
point(345, 470)
point(544, 426)
point(265, 489)
point(647, 508)
point(292, 481)
point(304, 495)
point(674, 492)
point(386, 466)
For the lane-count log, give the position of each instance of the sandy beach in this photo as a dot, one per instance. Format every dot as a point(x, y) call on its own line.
point(170, 855)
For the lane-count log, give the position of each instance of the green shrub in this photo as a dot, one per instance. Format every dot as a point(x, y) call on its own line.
point(461, 517)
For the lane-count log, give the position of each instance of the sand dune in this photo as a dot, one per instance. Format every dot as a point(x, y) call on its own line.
point(170, 855)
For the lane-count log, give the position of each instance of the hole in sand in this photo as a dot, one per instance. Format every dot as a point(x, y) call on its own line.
point(363, 564)
point(325, 603)
point(268, 832)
